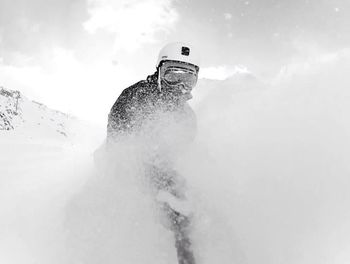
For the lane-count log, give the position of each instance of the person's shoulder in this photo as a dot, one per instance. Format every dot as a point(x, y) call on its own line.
point(132, 94)
point(140, 86)
point(133, 88)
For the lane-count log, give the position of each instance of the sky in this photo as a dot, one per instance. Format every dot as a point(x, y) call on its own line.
point(77, 55)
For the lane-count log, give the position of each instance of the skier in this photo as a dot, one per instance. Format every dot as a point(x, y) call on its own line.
point(156, 110)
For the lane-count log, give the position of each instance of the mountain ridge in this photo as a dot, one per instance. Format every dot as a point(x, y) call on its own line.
point(18, 113)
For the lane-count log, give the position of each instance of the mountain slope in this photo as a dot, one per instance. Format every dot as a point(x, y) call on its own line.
point(27, 117)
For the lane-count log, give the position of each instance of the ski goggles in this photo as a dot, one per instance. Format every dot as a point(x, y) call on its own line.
point(174, 75)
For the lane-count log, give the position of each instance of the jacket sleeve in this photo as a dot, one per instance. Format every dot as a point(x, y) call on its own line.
point(119, 118)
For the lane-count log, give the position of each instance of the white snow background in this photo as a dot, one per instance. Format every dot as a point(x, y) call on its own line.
point(268, 181)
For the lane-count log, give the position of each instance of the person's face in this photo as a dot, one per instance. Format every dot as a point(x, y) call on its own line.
point(177, 80)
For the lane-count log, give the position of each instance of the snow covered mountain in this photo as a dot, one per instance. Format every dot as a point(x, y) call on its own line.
point(33, 119)
point(8, 108)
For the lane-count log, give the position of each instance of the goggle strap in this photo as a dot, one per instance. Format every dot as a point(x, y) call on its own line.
point(159, 81)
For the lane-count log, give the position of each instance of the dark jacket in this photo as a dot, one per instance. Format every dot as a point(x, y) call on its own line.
point(138, 105)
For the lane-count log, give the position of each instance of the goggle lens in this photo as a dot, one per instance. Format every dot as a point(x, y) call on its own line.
point(175, 76)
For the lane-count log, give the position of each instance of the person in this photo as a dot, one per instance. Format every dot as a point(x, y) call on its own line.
point(156, 110)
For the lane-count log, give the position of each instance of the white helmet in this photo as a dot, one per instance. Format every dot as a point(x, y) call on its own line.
point(178, 51)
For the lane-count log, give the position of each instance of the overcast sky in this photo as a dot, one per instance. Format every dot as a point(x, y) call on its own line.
point(77, 55)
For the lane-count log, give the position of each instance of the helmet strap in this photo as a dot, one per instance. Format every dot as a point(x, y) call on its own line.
point(159, 82)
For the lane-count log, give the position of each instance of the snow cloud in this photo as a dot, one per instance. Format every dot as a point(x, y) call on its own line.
point(315, 61)
point(221, 72)
point(284, 150)
point(132, 22)
point(227, 16)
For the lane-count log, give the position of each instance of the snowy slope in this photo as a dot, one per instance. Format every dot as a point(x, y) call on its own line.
point(45, 155)
point(21, 115)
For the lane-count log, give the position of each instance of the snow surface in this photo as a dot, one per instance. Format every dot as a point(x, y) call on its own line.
point(267, 179)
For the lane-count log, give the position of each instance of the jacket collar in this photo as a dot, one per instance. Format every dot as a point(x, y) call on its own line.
point(153, 78)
